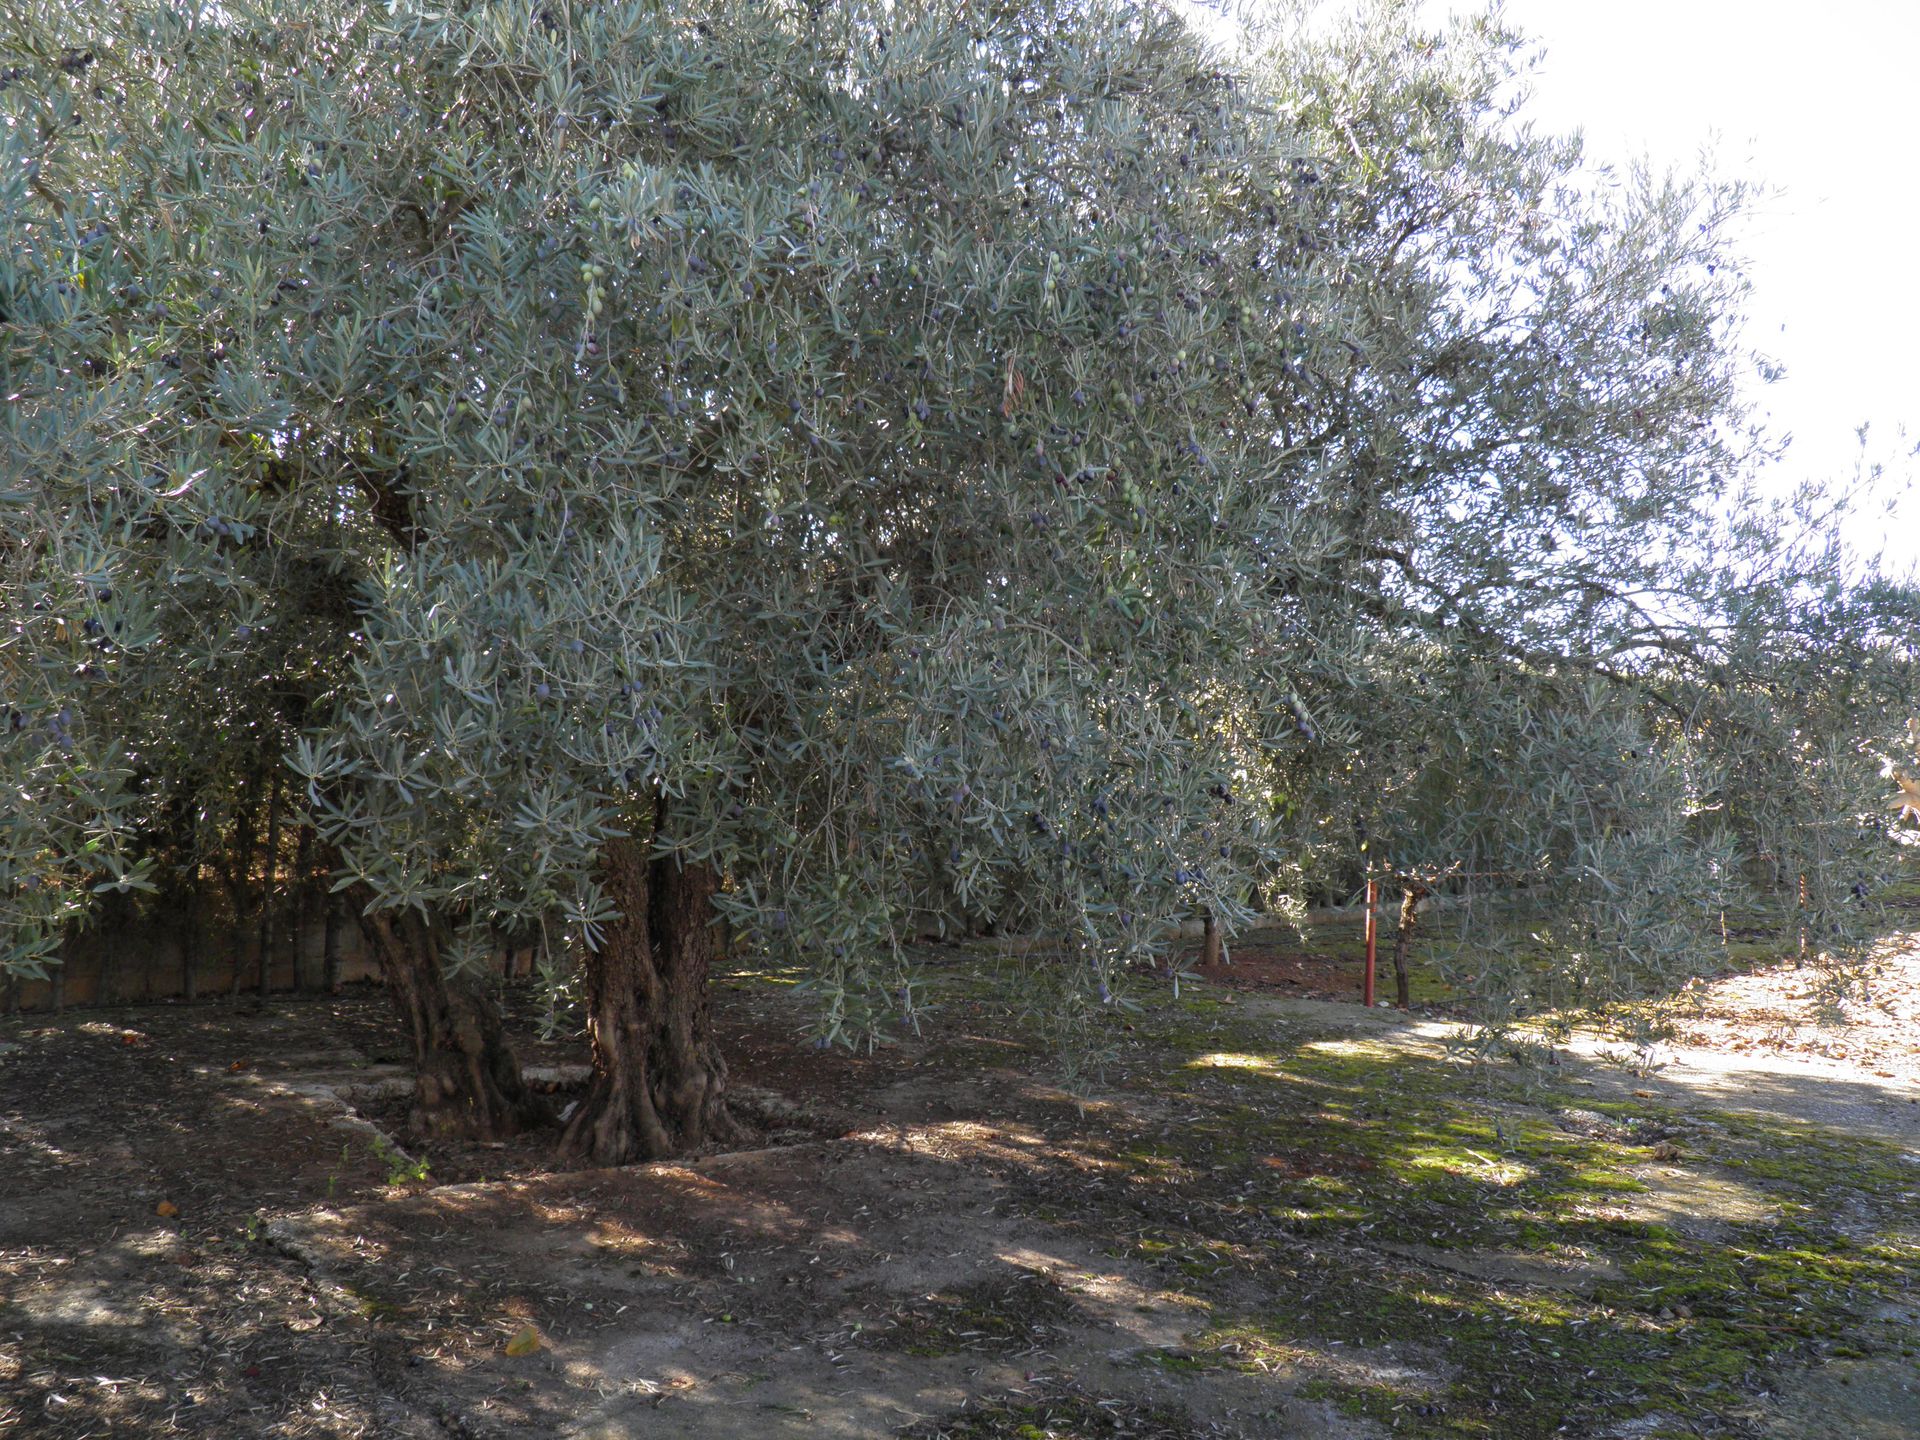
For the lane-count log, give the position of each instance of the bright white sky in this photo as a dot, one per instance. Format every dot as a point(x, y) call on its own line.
point(1818, 103)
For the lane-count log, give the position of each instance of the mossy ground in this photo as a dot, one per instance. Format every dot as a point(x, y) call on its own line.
point(1020, 1313)
point(1316, 1189)
point(1061, 1412)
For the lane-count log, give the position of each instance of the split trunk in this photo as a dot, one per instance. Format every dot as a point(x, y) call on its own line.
point(467, 1080)
point(659, 1082)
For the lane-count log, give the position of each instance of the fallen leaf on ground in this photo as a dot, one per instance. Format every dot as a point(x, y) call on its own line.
point(166, 1209)
point(525, 1341)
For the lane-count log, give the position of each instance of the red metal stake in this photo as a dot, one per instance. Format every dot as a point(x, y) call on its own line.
point(1373, 935)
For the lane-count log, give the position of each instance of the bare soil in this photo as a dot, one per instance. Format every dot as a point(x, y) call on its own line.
point(1285, 971)
point(203, 1232)
point(198, 1237)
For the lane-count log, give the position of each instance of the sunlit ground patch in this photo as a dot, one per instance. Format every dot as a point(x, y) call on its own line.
point(1225, 1060)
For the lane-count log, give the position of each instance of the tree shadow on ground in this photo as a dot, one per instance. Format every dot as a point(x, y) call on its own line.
point(1256, 1224)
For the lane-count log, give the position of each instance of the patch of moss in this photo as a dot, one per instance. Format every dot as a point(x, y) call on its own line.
point(1061, 1412)
point(1324, 1140)
point(373, 1307)
point(1312, 1186)
point(1818, 1167)
point(749, 972)
point(1306, 1158)
point(1017, 1313)
point(1382, 1404)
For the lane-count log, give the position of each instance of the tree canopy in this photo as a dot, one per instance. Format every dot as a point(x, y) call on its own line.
point(866, 470)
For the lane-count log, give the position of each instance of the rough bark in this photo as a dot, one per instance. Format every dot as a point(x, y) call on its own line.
point(269, 889)
point(302, 899)
point(467, 1081)
point(1410, 900)
point(188, 908)
point(1211, 953)
point(330, 947)
point(659, 1081)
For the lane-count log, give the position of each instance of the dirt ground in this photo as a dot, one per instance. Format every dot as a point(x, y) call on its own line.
point(1287, 971)
point(1265, 1216)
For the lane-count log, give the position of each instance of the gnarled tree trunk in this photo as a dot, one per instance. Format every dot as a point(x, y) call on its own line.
point(467, 1080)
point(659, 1082)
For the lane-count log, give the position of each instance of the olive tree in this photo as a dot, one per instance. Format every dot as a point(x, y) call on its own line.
point(835, 468)
point(809, 449)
